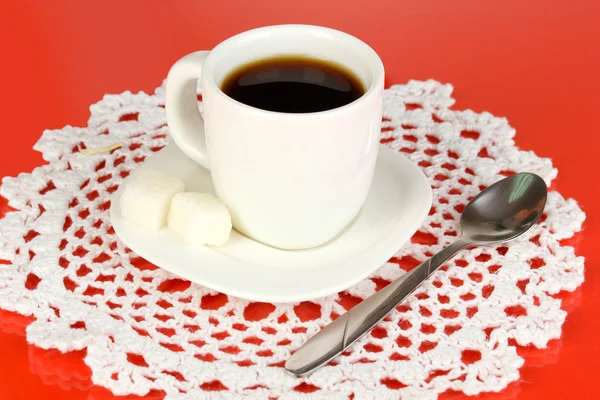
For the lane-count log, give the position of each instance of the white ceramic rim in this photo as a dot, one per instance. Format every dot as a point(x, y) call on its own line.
point(375, 65)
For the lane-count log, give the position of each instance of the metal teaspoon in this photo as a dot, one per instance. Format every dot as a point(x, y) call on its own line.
point(500, 213)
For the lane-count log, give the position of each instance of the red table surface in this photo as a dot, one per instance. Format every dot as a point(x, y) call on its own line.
point(535, 62)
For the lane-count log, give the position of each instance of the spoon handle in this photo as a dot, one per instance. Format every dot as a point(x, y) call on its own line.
point(349, 327)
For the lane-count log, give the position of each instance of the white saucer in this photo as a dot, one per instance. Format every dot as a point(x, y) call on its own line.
point(399, 201)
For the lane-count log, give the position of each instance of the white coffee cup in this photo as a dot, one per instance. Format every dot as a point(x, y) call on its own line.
point(291, 181)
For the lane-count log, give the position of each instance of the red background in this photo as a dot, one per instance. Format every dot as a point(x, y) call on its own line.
point(535, 62)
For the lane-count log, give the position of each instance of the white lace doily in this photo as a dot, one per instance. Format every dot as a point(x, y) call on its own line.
point(146, 329)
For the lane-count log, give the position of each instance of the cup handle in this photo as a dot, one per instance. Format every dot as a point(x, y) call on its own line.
point(183, 117)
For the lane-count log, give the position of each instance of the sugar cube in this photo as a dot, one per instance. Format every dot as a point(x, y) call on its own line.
point(147, 196)
point(200, 218)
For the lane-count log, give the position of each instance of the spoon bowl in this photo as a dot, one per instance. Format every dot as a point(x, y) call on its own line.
point(505, 210)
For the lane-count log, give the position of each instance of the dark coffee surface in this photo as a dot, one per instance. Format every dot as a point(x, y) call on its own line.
point(293, 85)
